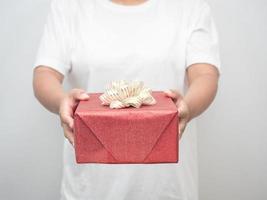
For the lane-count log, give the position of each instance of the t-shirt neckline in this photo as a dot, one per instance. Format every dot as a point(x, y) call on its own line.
point(127, 8)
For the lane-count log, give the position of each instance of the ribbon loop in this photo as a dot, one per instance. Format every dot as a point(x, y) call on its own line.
point(121, 94)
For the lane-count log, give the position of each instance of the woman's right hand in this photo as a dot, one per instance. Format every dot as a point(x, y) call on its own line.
point(66, 111)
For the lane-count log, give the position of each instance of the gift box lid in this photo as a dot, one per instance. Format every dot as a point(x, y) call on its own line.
point(94, 104)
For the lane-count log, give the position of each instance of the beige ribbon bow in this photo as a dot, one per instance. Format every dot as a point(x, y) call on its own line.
point(121, 94)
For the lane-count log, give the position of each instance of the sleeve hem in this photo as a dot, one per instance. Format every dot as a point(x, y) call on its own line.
point(54, 64)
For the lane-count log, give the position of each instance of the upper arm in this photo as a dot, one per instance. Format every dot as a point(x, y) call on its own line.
point(45, 73)
point(195, 71)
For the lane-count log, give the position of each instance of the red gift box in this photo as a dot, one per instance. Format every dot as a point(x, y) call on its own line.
point(148, 134)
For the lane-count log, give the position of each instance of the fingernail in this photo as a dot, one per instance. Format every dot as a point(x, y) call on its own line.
point(84, 95)
point(167, 92)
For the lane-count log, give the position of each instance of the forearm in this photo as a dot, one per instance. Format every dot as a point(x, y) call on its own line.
point(200, 94)
point(48, 88)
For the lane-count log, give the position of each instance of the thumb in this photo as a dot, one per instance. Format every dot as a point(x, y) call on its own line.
point(174, 94)
point(79, 94)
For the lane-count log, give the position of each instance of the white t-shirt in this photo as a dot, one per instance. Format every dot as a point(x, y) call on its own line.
point(93, 42)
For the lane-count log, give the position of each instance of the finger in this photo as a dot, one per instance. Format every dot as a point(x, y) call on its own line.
point(180, 136)
point(183, 110)
point(174, 94)
point(68, 133)
point(68, 120)
point(79, 94)
point(182, 126)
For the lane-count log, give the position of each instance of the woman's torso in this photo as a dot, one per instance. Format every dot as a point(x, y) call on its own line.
point(146, 42)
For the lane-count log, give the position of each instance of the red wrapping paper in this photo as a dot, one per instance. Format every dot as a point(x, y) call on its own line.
point(148, 134)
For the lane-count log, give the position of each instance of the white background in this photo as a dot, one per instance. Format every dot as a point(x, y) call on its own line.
point(232, 133)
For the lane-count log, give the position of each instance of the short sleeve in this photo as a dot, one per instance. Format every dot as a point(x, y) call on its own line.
point(55, 45)
point(203, 44)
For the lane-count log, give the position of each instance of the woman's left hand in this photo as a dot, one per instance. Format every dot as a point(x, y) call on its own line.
point(183, 109)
